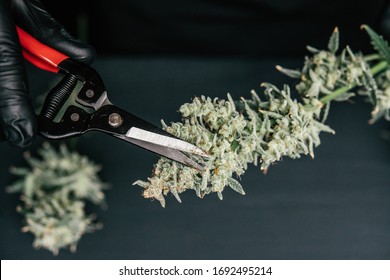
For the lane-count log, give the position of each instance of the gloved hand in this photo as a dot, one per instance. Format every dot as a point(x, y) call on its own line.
point(17, 118)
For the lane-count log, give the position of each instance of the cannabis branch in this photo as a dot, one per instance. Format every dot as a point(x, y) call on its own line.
point(274, 124)
point(55, 190)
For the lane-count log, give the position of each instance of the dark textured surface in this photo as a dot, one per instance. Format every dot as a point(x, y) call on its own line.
point(215, 27)
point(334, 207)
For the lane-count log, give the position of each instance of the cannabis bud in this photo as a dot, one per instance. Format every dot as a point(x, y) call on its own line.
point(268, 127)
point(235, 134)
point(382, 94)
point(54, 191)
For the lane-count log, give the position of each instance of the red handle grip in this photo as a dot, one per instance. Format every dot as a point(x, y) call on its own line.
point(39, 54)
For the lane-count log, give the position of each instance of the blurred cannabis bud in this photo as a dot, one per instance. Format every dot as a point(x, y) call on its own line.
point(54, 190)
point(266, 128)
point(382, 106)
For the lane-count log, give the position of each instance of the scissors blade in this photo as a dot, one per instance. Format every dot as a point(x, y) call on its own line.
point(163, 140)
point(132, 129)
point(166, 152)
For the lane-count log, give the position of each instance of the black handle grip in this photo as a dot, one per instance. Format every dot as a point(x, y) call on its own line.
point(57, 96)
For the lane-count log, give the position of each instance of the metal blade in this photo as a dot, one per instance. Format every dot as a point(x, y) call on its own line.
point(166, 141)
point(164, 151)
point(121, 124)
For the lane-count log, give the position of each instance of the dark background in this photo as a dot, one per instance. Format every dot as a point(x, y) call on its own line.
point(155, 56)
point(216, 27)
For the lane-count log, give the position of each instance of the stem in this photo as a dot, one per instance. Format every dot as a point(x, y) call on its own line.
point(371, 57)
point(379, 67)
point(374, 70)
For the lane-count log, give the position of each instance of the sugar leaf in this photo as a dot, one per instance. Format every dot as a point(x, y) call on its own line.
point(333, 44)
point(380, 44)
point(235, 185)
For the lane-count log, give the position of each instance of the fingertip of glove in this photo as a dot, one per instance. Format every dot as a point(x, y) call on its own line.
point(77, 51)
point(20, 133)
point(85, 54)
point(73, 47)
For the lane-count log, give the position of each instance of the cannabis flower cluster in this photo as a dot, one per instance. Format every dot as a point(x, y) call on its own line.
point(273, 125)
point(54, 190)
point(235, 134)
point(382, 106)
point(262, 131)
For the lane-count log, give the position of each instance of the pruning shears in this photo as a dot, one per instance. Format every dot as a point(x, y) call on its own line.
point(91, 110)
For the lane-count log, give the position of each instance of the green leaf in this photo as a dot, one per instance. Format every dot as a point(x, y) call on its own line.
point(333, 44)
point(235, 185)
point(312, 49)
point(380, 44)
point(371, 86)
point(234, 146)
point(295, 74)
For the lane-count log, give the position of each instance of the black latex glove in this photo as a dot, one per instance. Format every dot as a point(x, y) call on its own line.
point(17, 118)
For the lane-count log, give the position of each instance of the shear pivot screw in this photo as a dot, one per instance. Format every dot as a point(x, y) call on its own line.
point(75, 117)
point(90, 93)
point(115, 120)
